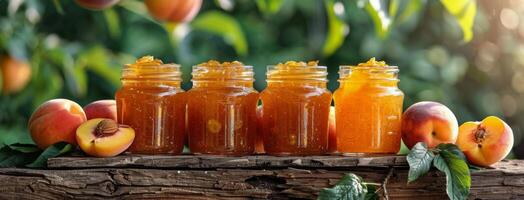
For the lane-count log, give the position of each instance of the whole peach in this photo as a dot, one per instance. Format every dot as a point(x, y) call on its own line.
point(56, 121)
point(429, 122)
point(487, 142)
point(96, 4)
point(173, 10)
point(15, 74)
point(101, 109)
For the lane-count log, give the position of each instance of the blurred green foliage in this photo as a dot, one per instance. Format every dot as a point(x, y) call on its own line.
point(466, 54)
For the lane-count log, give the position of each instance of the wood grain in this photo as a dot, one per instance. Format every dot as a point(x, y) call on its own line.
point(204, 177)
point(209, 161)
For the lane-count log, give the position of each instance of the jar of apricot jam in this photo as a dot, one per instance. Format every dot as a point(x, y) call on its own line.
point(221, 109)
point(295, 109)
point(368, 107)
point(153, 104)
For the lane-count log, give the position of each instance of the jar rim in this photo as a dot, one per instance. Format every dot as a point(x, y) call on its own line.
point(304, 73)
point(221, 72)
point(355, 67)
point(159, 72)
point(346, 70)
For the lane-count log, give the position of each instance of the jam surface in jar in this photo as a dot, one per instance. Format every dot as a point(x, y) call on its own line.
point(153, 104)
point(295, 109)
point(221, 109)
point(368, 106)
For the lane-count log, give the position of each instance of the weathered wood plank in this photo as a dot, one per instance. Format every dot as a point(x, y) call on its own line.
point(505, 181)
point(209, 161)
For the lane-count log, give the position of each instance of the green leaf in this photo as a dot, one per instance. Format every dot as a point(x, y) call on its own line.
point(452, 148)
point(419, 159)
point(24, 148)
point(350, 187)
point(48, 85)
point(51, 151)
point(137, 7)
point(381, 19)
point(411, 8)
point(372, 192)
point(10, 157)
point(113, 22)
point(458, 179)
point(336, 31)
point(223, 25)
point(74, 75)
point(58, 7)
point(97, 60)
point(269, 6)
point(464, 12)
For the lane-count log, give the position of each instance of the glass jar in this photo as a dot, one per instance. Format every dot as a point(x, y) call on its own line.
point(368, 108)
point(153, 104)
point(295, 109)
point(222, 108)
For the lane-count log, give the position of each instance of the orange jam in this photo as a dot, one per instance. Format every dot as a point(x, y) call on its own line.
point(295, 109)
point(222, 108)
point(153, 104)
point(368, 108)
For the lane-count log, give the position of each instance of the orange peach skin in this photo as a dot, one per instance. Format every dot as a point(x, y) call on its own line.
point(101, 109)
point(487, 142)
point(15, 74)
point(107, 146)
point(428, 122)
point(173, 10)
point(55, 121)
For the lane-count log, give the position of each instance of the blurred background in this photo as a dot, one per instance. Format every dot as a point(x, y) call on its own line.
point(466, 54)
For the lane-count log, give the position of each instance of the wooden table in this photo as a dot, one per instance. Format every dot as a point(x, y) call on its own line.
point(249, 177)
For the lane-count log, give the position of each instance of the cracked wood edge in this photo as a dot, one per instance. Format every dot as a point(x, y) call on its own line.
point(506, 181)
point(209, 161)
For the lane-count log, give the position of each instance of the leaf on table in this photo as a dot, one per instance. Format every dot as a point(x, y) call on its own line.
point(452, 148)
point(458, 179)
point(51, 151)
point(24, 148)
point(419, 159)
point(10, 157)
point(350, 187)
point(336, 30)
point(223, 25)
point(464, 12)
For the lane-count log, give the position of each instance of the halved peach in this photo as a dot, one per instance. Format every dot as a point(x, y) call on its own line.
point(104, 137)
point(487, 142)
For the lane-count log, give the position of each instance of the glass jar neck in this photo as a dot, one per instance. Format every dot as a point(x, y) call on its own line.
point(297, 75)
point(219, 84)
point(385, 74)
point(222, 75)
point(144, 83)
point(297, 83)
point(151, 74)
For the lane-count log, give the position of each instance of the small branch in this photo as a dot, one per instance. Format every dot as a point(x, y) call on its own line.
point(390, 173)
